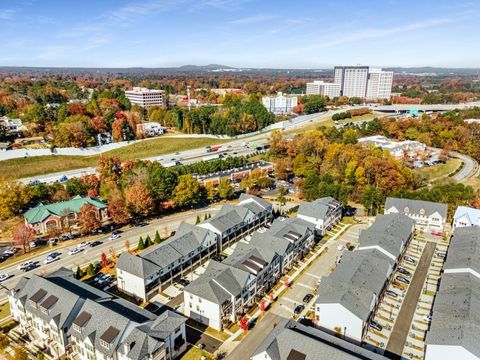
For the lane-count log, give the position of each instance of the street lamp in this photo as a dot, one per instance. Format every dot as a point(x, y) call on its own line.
point(344, 332)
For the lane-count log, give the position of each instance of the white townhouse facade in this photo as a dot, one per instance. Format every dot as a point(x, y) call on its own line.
point(324, 213)
point(146, 274)
point(466, 216)
point(428, 216)
point(68, 318)
point(146, 97)
point(280, 104)
point(319, 87)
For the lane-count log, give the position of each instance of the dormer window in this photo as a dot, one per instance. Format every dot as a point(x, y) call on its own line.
point(109, 336)
point(81, 321)
point(406, 210)
point(422, 211)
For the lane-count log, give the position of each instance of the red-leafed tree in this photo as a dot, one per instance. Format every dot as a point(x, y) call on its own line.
point(22, 235)
point(103, 260)
point(243, 323)
point(286, 283)
point(263, 305)
point(139, 200)
point(88, 218)
point(117, 211)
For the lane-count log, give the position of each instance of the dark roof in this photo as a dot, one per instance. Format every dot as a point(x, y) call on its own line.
point(82, 318)
point(296, 355)
point(39, 295)
point(51, 300)
point(416, 206)
point(110, 335)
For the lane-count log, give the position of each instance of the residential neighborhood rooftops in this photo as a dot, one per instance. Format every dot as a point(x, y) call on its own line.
point(250, 258)
point(63, 208)
point(464, 250)
point(319, 208)
point(409, 206)
point(472, 214)
point(291, 340)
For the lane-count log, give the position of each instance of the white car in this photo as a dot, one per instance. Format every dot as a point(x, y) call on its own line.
point(82, 244)
point(4, 277)
point(24, 265)
point(114, 237)
point(75, 251)
point(340, 247)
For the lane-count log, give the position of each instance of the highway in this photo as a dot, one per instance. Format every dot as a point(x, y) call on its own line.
point(164, 225)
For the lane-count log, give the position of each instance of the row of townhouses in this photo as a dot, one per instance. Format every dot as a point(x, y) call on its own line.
point(63, 316)
point(146, 274)
point(349, 296)
point(226, 289)
point(455, 326)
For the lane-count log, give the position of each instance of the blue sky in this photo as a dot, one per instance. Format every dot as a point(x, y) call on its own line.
point(244, 33)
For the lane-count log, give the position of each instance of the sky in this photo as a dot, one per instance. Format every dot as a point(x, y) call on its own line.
point(239, 33)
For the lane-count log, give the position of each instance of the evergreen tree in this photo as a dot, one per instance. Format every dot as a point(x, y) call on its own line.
point(157, 239)
point(205, 217)
point(141, 244)
point(91, 269)
point(148, 241)
point(79, 273)
point(198, 220)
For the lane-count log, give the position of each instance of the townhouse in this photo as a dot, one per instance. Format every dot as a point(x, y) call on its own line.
point(349, 296)
point(146, 274)
point(63, 316)
point(428, 216)
point(290, 340)
point(466, 216)
point(325, 213)
point(222, 294)
point(455, 324)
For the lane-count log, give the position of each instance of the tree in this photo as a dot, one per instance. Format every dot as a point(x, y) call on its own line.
point(117, 211)
point(127, 245)
point(263, 305)
point(4, 341)
point(139, 200)
point(281, 198)
point(211, 190)
point(21, 353)
point(157, 238)
point(103, 260)
point(141, 244)
point(197, 221)
point(313, 104)
point(109, 169)
point(113, 255)
point(79, 273)
point(22, 235)
point(88, 218)
point(187, 192)
point(14, 197)
point(243, 323)
point(225, 189)
point(148, 241)
point(91, 269)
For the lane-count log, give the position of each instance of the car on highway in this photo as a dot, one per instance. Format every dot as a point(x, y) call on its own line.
point(409, 259)
point(24, 265)
point(142, 224)
point(307, 298)
point(4, 277)
point(52, 257)
point(74, 251)
point(95, 243)
point(114, 237)
point(376, 325)
point(404, 272)
point(391, 293)
point(299, 309)
point(402, 279)
point(83, 244)
point(31, 266)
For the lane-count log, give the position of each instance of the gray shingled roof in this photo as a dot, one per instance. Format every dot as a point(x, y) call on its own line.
point(456, 313)
point(358, 278)
point(263, 203)
point(243, 252)
point(389, 232)
point(415, 206)
point(228, 217)
point(136, 265)
point(319, 208)
point(290, 337)
point(219, 282)
point(464, 249)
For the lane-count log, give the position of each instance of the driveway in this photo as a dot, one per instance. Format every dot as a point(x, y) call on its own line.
point(195, 336)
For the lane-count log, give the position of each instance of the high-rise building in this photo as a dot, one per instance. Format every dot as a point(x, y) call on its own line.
point(319, 87)
point(280, 104)
point(352, 80)
point(146, 97)
point(363, 82)
point(379, 84)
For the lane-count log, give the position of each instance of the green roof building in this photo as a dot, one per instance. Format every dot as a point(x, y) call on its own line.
point(61, 215)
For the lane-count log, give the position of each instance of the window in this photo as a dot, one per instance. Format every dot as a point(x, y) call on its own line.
point(198, 308)
point(406, 210)
point(200, 300)
point(190, 305)
point(104, 343)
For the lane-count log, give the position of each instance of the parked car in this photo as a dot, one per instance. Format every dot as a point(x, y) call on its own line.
point(404, 272)
point(4, 277)
point(340, 247)
point(105, 279)
point(24, 265)
point(53, 241)
point(3, 257)
point(114, 237)
point(376, 325)
point(307, 298)
point(298, 309)
point(201, 346)
point(95, 243)
point(183, 282)
point(11, 250)
point(32, 244)
point(402, 279)
point(441, 255)
point(391, 293)
point(74, 251)
point(31, 267)
point(409, 259)
point(427, 318)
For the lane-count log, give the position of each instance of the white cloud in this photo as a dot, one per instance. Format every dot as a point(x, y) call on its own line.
point(252, 20)
point(7, 14)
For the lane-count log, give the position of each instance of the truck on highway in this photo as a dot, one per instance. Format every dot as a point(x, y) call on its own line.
point(171, 164)
point(212, 157)
point(213, 148)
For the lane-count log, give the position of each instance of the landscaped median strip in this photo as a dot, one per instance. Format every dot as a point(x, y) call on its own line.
point(290, 279)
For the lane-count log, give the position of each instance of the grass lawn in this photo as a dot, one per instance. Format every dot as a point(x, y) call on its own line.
point(27, 167)
point(194, 353)
point(438, 171)
point(359, 118)
point(4, 310)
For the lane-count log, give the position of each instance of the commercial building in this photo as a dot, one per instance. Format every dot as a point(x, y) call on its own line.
point(455, 324)
point(324, 213)
point(146, 274)
point(428, 216)
point(62, 215)
point(63, 316)
point(348, 297)
point(319, 87)
point(236, 174)
point(146, 97)
point(149, 129)
point(399, 149)
point(363, 82)
point(12, 126)
point(466, 216)
point(290, 340)
point(280, 104)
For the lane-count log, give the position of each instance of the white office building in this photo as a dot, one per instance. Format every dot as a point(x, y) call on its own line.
point(280, 104)
point(146, 97)
point(319, 87)
point(379, 84)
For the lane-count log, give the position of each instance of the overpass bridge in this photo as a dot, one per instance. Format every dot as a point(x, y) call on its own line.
point(403, 108)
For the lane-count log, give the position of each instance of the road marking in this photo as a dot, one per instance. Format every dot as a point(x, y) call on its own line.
point(313, 275)
point(305, 286)
point(290, 300)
